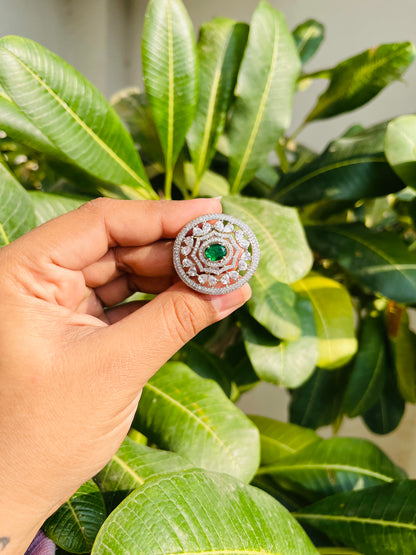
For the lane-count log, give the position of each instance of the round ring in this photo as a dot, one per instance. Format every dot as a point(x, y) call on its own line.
point(215, 254)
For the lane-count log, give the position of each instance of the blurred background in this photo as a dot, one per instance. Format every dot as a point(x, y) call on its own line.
point(102, 38)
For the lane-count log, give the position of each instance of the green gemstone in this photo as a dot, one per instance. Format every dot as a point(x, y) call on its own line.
point(215, 252)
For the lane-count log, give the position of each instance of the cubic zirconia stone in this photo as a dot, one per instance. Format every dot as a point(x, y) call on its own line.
point(189, 241)
point(212, 280)
point(197, 232)
point(242, 265)
point(225, 279)
point(202, 279)
point(219, 226)
point(186, 263)
point(186, 250)
point(234, 275)
point(245, 256)
point(192, 272)
point(215, 252)
point(229, 228)
point(206, 227)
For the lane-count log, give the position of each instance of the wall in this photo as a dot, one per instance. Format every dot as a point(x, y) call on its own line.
point(101, 38)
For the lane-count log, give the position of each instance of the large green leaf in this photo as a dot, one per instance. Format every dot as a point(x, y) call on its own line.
point(132, 466)
point(380, 260)
point(278, 439)
point(285, 363)
point(76, 523)
point(197, 512)
point(265, 88)
point(386, 413)
point(351, 168)
point(18, 127)
point(318, 402)
point(357, 80)
point(404, 352)
point(273, 305)
point(337, 464)
point(400, 148)
point(220, 48)
point(170, 75)
point(334, 319)
point(72, 114)
point(48, 205)
point(376, 521)
point(369, 370)
point(308, 38)
point(285, 254)
point(133, 108)
point(189, 415)
point(16, 211)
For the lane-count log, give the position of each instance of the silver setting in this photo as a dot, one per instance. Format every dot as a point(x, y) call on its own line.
point(222, 276)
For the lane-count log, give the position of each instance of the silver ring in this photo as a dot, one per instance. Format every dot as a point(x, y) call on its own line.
point(215, 254)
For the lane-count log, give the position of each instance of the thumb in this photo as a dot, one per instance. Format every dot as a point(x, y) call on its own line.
point(139, 344)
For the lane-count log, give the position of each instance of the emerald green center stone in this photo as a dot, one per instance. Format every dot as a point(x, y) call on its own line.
point(215, 252)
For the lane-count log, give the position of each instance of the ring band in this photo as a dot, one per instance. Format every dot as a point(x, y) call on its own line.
point(215, 254)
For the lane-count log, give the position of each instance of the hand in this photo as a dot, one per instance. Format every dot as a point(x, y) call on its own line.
point(71, 371)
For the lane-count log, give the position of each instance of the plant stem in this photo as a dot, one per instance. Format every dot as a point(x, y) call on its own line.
point(280, 151)
point(168, 183)
point(195, 190)
point(297, 132)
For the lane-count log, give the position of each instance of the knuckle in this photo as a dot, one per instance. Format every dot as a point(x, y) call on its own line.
point(98, 204)
point(186, 319)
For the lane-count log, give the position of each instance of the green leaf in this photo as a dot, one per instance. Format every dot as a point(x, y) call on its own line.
point(72, 114)
point(278, 439)
point(273, 305)
point(385, 415)
point(132, 107)
point(285, 363)
point(318, 401)
point(16, 211)
point(76, 523)
point(18, 127)
point(264, 94)
point(337, 464)
point(356, 81)
point(220, 48)
point(379, 260)
point(48, 205)
point(308, 38)
point(192, 416)
point(170, 75)
point(239, 370)
point(404, 353)
point(377, 521)
point(132, 466)
point(211, 184)
point(205, 364)
point(369, 370)
point(400, 148)
point(197, 512)
point(285, 254)
point(351, 168)
point(334, 319)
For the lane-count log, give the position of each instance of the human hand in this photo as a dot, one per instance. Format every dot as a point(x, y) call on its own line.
point(71, 373)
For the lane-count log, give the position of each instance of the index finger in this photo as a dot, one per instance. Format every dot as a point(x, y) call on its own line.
point(81, 237)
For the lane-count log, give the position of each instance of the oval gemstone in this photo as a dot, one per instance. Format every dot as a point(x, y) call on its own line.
point(215, 252)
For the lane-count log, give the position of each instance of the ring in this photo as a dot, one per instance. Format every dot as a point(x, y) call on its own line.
point(215, 254)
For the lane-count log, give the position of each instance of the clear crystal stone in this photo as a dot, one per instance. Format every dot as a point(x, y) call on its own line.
point(219, 226)
point(225, 279)
point(186, 250)
point(197, 232)
point(202, 278)
point(206, 227)
point(229, 228)
point(189, 241)
point(186, 263)
point(245, 256)
point(212, 280)
point(234, 275)
point(192, 272)
point(242, 265)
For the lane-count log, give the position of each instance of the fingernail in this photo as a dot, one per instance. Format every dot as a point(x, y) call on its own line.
point(225, 304)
